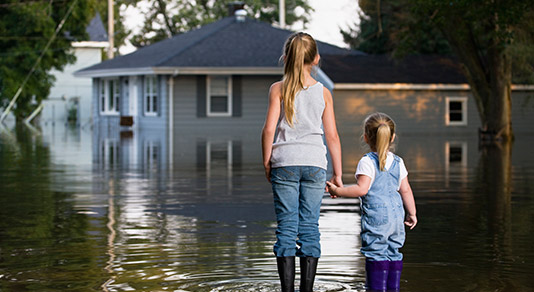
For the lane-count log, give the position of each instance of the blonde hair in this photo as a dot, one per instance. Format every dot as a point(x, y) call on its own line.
point(379, 128)
point(299, 49)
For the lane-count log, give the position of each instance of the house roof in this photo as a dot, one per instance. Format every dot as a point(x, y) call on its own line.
point(96, 30)
point(224, 43)
point(424, 69)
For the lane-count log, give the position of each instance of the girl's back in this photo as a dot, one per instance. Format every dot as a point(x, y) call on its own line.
point(302, 143)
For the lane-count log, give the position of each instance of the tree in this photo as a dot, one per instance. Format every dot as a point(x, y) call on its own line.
point(489, 38)
point(170, 17)
point(26, 28)
point(386, 27)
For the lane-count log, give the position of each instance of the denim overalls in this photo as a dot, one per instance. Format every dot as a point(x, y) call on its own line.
point(383, 215)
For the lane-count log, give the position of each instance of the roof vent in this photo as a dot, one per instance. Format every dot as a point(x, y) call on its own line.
point(240, 15)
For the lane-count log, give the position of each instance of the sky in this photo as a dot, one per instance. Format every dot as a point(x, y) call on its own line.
point(325, 23)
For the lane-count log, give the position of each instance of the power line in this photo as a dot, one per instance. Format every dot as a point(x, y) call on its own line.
point(19, 91)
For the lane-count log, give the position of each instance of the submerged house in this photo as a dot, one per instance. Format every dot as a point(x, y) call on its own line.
point(209, 82)
point(199, 99)
point(71, 98)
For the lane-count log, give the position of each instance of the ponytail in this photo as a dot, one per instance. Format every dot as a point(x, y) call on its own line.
point(383, 138)
point(299, 49)
point(379, 129)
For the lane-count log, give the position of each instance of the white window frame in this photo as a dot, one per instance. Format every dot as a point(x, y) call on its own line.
point(148, 97)
point(105, 96)
point(208, 97)
point(463, 100)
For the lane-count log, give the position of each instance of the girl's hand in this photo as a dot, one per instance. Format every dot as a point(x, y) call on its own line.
point(411, 221)
point(268, 172)
point(332, 189)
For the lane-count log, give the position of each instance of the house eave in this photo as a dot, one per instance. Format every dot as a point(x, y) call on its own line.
point(90, 44)
point(416, 86)
point(181, 71)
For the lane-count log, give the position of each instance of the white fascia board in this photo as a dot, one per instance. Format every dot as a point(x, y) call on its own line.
point(399, 86)
point(88, 44)
point(415, 86)
point(219, 70)
point(181, 71)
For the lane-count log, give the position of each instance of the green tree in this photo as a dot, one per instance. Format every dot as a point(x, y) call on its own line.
point(491, 39)
point(170, 17)
point(25, 30)
point(385, 27)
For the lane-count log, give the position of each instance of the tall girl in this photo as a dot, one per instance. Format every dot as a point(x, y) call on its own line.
point(386, 197)
point(300, 112)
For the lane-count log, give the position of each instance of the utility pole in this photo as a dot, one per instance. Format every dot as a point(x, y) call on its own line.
point(282, 10)
point(111, 31)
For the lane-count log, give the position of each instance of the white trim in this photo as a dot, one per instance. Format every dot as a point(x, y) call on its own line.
point(463, 100)
point(181, 71)
point(416, 86)
point(90, 44)
point(171, 120)
point(228, 113)
point(399, 86)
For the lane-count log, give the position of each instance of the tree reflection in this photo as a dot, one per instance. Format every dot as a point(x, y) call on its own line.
point(41, 232)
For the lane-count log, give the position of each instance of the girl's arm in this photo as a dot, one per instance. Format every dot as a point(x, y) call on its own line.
point(332, 138)
point(409, 203)
point(358, 190)
point(269, 128)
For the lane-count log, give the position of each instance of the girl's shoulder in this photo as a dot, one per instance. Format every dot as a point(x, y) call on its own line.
point(277, 86)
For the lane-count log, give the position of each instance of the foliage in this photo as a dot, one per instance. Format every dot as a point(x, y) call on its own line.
point(26, 28)
point(389, 27)
point(490, 38)
point(170, 17)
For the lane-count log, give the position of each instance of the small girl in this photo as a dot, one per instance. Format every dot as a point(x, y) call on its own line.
point(300, 112)
point(382, 184)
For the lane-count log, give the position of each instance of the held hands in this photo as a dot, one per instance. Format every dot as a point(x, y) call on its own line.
point(333, 186)
point(411, 221)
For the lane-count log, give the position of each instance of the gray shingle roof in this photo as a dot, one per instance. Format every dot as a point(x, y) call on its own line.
point(424, 69)
point(224, 43)
point(96, 30)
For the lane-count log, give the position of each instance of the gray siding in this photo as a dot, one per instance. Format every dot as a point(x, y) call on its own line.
point(254, 98)
point(421, 111)
point(194, 137)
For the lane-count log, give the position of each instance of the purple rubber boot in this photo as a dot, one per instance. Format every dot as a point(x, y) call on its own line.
point(377, 275)
point(394, 276)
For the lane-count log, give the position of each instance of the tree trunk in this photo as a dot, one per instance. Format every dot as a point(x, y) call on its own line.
point(487, 68)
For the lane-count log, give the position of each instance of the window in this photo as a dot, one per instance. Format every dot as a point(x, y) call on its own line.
point(151, 152)
point(456, 111)
point(109, 152)
point(219, 95)
point(151, 95)
point(110, 93)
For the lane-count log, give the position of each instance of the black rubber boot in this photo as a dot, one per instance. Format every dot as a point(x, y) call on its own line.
point(308, 268)
point(286, 271)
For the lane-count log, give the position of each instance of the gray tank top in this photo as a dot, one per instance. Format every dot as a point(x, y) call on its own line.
point(303, 144)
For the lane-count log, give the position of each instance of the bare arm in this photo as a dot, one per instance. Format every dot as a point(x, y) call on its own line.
point(409, 203)
point(358, 190)
point(332, 138)
point(269, 128)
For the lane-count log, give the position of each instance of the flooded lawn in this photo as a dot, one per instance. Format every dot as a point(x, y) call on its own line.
point(90, 211)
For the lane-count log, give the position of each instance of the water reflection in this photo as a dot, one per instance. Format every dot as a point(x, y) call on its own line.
point(114, 211)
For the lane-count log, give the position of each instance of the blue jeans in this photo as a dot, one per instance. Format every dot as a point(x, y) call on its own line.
point(298, 192)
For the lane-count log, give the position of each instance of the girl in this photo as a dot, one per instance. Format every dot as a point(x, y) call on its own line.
point(381, 176)
point(300, 108)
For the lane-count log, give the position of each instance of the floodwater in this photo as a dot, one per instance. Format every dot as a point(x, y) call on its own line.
point(85, 210)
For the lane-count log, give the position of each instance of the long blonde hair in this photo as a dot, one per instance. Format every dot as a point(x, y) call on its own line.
point(379, 129)
point(299, 49)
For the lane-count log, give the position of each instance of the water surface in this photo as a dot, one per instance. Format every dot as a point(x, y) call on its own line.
point(86, 211)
